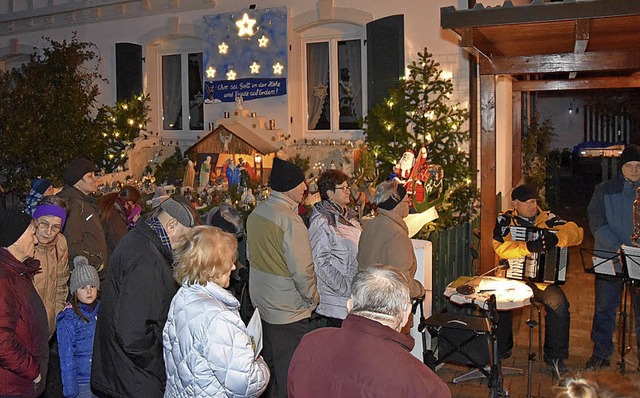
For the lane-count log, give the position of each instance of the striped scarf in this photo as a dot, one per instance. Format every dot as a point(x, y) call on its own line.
point(155, 224)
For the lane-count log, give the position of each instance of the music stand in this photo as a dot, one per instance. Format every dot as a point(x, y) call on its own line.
point(631, 269)
point(603, 263)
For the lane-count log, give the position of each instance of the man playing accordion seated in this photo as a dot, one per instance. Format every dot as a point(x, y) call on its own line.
point(526, 213)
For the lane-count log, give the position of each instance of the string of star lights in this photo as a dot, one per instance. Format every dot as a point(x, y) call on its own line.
point(257, 35)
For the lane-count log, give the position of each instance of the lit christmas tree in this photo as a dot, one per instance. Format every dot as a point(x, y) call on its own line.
point(419, 113)
point(128, 118)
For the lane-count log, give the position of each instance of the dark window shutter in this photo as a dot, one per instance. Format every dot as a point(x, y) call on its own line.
point(128, 70)
point(385, 57)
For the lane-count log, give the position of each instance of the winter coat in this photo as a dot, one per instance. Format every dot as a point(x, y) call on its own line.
point(568, 232)
point(610, 214)
point(75, 346)
point(385, 240)
point(282, 283)
point(363, 358)
point(24, 342)
point(51, 280)
point(207, 350)
point(135, 299)
point(83, 229)
point(334, 249)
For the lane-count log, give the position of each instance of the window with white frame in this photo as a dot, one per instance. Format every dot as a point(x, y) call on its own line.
point(334, 79)
point(182, 91)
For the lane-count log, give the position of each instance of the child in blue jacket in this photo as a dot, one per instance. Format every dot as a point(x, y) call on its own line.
point(76, 327)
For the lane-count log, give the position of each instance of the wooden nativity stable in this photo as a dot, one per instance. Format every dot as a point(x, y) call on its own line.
point(233, 140)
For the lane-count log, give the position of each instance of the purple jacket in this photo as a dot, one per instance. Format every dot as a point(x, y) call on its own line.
point(363, 358)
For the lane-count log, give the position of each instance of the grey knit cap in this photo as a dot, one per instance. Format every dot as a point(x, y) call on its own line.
point(178, 211)
point(83, 274)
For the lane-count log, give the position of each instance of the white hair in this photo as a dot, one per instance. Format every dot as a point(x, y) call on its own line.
point(380, 292)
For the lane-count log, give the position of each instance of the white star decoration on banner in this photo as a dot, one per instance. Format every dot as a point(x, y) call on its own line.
point(262, 42)
point(211, 72)
point(277, 68)
point(222, 48)
point(231, 75)
point(255, 68)
point(245, 26)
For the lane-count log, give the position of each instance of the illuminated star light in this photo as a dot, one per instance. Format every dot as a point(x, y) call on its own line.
point(245, 26)
point(277, 68)
point(222, 48)
point(231, 75)
point(211, 72)
point(262, 42)
point(255, 68)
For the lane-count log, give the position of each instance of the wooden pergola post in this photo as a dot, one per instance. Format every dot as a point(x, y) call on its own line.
point(488, 209)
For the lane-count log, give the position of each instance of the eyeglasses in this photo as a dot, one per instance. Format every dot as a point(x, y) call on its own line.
point(344, 189)
point(44, 226)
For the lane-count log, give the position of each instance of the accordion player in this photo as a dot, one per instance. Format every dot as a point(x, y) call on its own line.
point(547, 267)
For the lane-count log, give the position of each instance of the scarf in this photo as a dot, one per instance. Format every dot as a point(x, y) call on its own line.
point(331, 209)
point(157, 227)
point(27, 268)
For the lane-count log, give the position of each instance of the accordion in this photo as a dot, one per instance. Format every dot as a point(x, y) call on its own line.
point(548, 267)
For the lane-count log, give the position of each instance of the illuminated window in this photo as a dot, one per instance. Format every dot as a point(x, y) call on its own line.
point(334, 89)
point(182, 92)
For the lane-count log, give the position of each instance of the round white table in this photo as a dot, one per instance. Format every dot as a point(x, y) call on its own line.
point(510, 294)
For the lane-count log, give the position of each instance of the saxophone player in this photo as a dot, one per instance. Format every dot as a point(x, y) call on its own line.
point(525, 212)
point(611, 220)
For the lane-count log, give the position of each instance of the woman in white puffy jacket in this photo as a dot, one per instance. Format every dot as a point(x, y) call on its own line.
point(207, 350)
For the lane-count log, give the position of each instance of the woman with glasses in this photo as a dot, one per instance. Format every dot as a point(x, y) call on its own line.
point(53, 254)
point(334, 232)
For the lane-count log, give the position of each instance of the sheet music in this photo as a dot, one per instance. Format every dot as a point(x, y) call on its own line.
point(254, 330)
point(633, 261)
point(603, 266)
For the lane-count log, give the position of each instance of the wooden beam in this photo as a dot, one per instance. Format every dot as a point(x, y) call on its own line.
point(473, 118)
point(488, 209)
point(564, 62)
point(466, 42)
point(577, 84)
point(451, 18)
point(516, 132)
point(475, 43)
point(582, 39)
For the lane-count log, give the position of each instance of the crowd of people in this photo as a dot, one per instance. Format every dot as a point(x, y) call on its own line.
point(122, 304)
point(117, 304)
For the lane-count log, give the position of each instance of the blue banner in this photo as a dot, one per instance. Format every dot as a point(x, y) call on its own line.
point(249, 89)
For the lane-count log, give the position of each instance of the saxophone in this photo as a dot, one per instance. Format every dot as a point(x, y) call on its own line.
point(635, 236)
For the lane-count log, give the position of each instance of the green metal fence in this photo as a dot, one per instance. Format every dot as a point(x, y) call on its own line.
point(454, 254)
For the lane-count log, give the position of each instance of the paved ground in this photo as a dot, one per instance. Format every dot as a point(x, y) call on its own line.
point(574, 194)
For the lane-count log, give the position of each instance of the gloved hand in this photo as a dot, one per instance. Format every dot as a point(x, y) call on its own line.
point(550, 240)
point(536, 246)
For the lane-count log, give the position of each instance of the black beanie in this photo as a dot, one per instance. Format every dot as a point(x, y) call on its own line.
point(630, 154)
point(285, 176)
point(76, 169)
point(14, 222)
point(392, 202)
point(524, 193)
